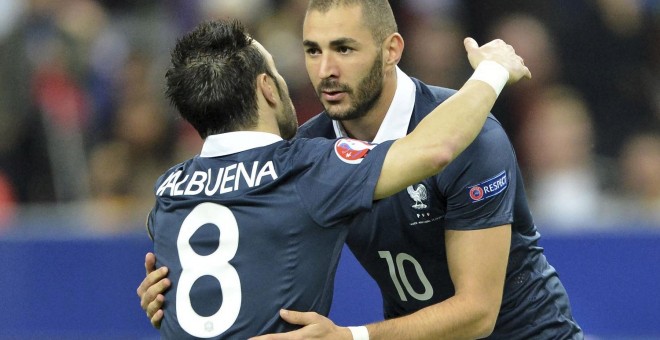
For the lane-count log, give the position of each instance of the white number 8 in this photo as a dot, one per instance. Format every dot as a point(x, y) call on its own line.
point(216, 264)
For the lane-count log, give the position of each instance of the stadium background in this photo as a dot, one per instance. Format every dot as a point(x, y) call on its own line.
point(85, 131)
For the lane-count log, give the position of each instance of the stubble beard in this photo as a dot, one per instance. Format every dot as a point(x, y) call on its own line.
point(363, 100)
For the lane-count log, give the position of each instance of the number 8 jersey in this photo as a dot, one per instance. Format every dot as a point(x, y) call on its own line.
point(255, 224)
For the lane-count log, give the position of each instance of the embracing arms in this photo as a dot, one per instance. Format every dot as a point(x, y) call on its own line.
point(453, 125)
point(477, 265)
point(436, 141)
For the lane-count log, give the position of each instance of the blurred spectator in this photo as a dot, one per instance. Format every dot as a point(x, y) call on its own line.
point(38, 85)
point(281, 34)
point(7, 204)
point(112, 203)
point(566, 181)
point(433, 33)
point(601, 47)
point(83, 120)
point(640, 176)
point(138, 149)
point(247, 11)
point(651, 69)
point(604, 48)
point(534, 43)
point(10, 13)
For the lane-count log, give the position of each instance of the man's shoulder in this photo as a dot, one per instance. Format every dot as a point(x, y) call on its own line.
point(317, 126)
point(432, 93)
point(427, 98)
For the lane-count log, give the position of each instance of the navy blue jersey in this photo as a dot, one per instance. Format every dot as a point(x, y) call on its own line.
point(400, 242)
point(255, 224)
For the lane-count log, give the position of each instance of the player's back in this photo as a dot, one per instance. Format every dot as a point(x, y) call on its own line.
point(242, 238)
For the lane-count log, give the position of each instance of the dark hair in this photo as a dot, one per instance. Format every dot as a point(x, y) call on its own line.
point(212, 79)
point(377, 14)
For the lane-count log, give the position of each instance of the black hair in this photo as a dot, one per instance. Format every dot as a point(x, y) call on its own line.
point(212, 79)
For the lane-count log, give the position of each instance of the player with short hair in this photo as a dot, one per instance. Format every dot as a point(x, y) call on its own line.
point(456, 255)
point(256, 222)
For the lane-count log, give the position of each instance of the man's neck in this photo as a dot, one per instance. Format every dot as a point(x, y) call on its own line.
point(365, 128)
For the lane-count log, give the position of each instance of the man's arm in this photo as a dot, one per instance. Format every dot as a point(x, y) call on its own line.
point(453, 125)
point(477, 265)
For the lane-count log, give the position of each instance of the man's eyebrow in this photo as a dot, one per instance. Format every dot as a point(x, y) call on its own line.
point(342, 42)
point(334, 43)
point(309, 43)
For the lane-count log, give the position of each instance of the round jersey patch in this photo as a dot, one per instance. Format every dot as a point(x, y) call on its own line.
point(352, 151)
point(476, 193)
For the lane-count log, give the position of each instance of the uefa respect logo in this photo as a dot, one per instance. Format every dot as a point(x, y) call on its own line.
point(488, 188)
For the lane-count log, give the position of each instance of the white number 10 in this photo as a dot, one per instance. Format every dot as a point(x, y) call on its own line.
point(215, 264)
point(400, 258)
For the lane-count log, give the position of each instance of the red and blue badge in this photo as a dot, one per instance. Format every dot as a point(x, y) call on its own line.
point(489, 188)
point(352, 151)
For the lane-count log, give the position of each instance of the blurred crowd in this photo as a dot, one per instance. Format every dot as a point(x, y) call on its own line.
point(85, 128)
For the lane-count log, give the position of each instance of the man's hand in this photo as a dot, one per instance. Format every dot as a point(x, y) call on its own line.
point(499, 52)
point(152, 288)
point(315, 327)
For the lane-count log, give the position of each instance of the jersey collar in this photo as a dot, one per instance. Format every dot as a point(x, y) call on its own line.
point(233, 142)
point(397, 118)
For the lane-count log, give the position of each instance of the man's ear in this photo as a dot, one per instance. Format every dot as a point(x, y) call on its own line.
point(393, 49)
point(266, 86)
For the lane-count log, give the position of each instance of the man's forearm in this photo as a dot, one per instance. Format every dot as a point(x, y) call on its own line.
point(438, 139)
point(450, 319)
point(477, 261)
point(450, 128)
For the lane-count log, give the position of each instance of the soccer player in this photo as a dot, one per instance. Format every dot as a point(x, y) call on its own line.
point(255, 222)
point(456, 256)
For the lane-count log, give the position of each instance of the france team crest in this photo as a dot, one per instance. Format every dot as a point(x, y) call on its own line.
point(488, 188)
point(419, 195)
point(352, 151)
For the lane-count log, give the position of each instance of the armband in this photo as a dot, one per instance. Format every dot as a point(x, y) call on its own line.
point(359, 333)
point(491, 73)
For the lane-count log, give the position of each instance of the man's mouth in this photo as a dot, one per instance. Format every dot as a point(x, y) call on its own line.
point(330, 95)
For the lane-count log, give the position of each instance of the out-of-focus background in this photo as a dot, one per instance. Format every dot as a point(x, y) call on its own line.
point(85, 131)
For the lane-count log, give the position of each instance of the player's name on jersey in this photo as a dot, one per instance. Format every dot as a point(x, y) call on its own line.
point(217, 181)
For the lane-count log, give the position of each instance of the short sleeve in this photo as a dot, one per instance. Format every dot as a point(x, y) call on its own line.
point(480, 185)
point(340, 181)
